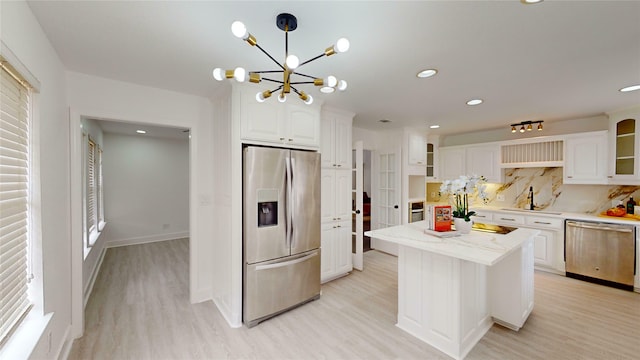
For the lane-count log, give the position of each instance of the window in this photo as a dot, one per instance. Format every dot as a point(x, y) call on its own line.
point(93, 202)
point(14, 198)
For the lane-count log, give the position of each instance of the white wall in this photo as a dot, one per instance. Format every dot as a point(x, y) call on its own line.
point(146, 188)
point(22, 34)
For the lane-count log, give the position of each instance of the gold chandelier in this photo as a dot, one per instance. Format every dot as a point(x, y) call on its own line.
point(528, 124)
point(285, 22)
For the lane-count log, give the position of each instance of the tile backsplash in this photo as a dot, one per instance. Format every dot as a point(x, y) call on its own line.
point(549, 192)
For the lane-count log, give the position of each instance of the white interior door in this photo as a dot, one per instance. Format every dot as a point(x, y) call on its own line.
point(357, 206)
point(386, 202)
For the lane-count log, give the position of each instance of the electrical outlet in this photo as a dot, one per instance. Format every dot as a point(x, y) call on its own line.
point(433, 194)
point(500, 197)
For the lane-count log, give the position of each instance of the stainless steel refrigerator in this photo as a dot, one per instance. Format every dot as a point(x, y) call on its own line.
point(281, 231)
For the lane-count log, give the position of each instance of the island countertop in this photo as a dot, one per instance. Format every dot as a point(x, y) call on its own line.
point(478, 247)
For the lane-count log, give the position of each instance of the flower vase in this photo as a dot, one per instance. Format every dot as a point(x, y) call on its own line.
point(463, 227)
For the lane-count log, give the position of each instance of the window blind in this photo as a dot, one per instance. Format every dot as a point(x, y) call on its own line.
point(14, 199)
point(100, 190)
point(91, 187)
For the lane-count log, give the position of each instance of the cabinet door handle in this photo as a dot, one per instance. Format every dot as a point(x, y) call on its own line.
point(507, 219)
point(480, 216)
point(570, 177)
point(290, 139)
point(542, 222)
point(281, 139)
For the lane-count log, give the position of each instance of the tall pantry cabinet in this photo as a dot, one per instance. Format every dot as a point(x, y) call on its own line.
point(335, 149)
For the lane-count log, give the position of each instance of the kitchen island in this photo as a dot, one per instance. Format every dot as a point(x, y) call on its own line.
point(452, 289)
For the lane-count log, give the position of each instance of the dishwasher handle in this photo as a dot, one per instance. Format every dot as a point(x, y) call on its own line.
point(599, 226)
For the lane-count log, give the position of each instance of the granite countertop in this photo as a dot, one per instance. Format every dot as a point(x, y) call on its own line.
point(478, 247)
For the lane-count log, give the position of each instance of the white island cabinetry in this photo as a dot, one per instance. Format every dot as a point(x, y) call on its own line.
point(451, 290)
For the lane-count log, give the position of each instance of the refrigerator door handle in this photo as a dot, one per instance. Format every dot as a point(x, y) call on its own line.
point(289, 201)
point(286, 263)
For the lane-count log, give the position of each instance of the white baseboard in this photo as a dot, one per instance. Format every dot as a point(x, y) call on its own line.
point(234, 320)
point(146, 239)
point(94, 274)
point(65, 349)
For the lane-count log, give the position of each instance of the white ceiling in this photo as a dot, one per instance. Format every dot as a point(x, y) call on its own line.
point(552, 61)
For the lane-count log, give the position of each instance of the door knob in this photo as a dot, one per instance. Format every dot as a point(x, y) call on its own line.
point(357, 211)
point(395, 206)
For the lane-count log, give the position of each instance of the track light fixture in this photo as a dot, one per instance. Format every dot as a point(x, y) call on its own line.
point(287, 23)
point(526, 126)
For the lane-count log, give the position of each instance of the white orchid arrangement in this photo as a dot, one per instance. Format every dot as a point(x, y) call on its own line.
point(461, 188)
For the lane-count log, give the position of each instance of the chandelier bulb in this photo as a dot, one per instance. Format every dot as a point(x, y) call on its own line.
point(327, 89)
point(240, 74)
point(342, 45)
point(239, 30)
point(292, 61)
point(342, 85)
point(513, 129)
point(309, 100)
point(539, 126)
point(522, 129)
point(530, 127)
point(218, 74)
point(331, 81)
point(282, 97)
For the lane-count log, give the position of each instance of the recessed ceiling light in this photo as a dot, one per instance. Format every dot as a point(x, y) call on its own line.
point(141, 131)
point(427, 73)
point(529, 2)
point(434, 126)
point(385, 121)
point(630, 88)
point(474, 102)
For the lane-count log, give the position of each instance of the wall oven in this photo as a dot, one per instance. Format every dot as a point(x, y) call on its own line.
point(416, 211)
point(601, 252)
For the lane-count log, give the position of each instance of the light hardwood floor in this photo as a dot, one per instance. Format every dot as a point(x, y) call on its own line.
point(140, 309)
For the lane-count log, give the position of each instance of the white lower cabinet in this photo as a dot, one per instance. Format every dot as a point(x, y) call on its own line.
point(336, 258)
point(548, 245)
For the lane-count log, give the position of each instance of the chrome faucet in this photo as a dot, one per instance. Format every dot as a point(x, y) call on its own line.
point(530, 197)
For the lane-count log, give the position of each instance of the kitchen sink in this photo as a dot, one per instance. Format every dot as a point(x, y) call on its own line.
point(532, 211)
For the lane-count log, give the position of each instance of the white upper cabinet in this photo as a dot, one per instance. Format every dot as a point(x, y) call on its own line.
point(417, 149)
point(484, 160)
point(481, 160)
point(624, 140)
point(432, 170)
point(289, 124)
point(585, 159)
point(335, 139)
point(452, 163)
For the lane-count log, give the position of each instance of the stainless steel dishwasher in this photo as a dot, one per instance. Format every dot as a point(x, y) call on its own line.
point(601, 252)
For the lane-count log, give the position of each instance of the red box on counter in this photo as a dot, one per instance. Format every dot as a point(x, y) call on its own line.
point(440, 218)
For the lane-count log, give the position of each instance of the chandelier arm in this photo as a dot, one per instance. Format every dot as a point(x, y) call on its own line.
point(275, 81)
point(266, 71)
point(305, 75)
point(270, 57)
point(301, 82)
point(312, 59)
